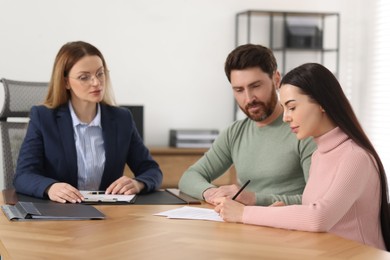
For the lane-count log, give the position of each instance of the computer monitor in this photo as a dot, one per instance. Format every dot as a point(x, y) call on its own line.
point(138, 115)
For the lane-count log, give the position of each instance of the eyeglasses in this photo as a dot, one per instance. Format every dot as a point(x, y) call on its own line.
point(87, 79)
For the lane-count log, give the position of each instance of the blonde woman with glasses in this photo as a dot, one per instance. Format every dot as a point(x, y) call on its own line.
point(79, 139)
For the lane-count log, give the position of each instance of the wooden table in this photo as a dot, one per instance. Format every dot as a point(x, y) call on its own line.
point(132, 232)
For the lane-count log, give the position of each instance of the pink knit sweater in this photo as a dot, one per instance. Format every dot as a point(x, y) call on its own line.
point(342, 195)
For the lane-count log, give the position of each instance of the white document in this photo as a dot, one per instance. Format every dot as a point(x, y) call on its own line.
point(99, 196)
point(187, 212)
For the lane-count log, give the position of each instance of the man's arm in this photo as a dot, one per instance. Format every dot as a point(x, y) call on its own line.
point(215, 162)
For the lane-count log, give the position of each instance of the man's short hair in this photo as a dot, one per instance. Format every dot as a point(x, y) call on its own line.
point(251, 56)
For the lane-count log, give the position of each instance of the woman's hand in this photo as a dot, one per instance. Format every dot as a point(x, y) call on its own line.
point(125, 185)
point(229, 210)
point(63, 192)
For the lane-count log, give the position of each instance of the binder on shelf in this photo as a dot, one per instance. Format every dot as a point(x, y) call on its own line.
point(192, 145)
point(192, 138)
point(24, 210)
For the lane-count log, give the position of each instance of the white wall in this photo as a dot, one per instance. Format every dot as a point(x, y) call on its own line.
point(165, 54)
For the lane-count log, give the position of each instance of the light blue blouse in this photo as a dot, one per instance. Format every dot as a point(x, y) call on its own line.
point(90, 150)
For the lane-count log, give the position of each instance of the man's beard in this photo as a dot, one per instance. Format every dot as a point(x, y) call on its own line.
point(265, 109)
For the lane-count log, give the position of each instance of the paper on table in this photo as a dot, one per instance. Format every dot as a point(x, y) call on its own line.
point(187, 212)
point(91, 196)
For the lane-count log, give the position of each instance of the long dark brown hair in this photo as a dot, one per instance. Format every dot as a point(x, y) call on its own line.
point(321, 85)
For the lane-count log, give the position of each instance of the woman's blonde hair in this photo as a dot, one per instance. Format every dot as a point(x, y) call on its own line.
point(67, 57)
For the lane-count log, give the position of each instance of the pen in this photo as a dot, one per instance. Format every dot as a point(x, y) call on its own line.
point(97, 192)
point(240, 190)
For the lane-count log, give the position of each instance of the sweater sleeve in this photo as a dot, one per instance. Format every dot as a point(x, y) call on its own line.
point(213, 164)
point(321, 214)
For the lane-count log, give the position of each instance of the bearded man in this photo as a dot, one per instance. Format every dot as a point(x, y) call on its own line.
point(261, 147)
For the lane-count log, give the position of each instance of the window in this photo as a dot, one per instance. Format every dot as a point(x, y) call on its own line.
point(376, 113)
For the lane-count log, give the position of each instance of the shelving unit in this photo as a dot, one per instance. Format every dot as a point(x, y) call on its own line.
point(316, 39)
point(269, 28)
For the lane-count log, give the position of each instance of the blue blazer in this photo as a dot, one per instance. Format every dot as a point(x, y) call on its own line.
point(48, 153)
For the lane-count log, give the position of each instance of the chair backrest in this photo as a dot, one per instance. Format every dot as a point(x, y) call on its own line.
point(19, 97)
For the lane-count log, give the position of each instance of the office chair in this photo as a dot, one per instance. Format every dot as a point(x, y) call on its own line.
point(19, 97)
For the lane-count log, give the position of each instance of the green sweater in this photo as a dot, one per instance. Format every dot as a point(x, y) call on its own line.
point(275, 161)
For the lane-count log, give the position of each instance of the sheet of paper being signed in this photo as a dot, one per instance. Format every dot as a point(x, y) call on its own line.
point(187, 212)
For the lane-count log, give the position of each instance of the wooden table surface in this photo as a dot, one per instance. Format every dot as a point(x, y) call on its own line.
point(132, 232)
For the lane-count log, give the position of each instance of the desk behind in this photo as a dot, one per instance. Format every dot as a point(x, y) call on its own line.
point(132, 232)
point(175, 161)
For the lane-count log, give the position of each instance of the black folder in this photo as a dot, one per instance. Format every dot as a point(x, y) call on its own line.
point(24, 210)
point(159, 197)
point(165, 197)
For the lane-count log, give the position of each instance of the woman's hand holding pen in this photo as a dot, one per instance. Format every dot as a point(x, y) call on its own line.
point(229, 210)
point(125, 185)
point(63, 192)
